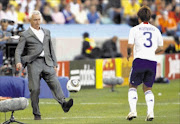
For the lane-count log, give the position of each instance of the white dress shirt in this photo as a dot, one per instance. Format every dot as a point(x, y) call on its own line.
point(40, 34)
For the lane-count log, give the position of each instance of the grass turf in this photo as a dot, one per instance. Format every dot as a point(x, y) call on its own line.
point(93, 106)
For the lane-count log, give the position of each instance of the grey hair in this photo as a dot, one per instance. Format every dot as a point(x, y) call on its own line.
point(35, 12)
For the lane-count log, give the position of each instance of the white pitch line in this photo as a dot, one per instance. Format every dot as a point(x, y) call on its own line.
point(55, 103)
point(92, 117)
point(100, 103)
point(124, 103)
point(50, 103)
point(174, 103)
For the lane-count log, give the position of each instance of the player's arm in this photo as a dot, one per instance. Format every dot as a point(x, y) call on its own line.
point(130, 43)
point(160, 43)
point(129, 51)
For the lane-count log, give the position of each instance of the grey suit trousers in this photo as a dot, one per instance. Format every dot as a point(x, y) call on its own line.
point(37, 70)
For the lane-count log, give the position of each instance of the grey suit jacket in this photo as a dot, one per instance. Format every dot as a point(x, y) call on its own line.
point(28, 41)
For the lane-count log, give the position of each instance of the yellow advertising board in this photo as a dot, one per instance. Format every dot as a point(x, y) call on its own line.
point(99, 71)
point(117, 67)
point(126, 68)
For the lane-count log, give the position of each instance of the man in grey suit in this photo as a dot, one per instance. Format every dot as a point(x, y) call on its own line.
point(41, 63)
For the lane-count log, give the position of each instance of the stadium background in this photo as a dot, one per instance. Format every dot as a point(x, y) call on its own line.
point(67, 41)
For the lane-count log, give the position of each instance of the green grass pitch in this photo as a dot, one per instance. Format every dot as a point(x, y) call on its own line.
point(92, 106)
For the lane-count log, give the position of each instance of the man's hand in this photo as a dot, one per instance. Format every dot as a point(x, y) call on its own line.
point(159, 49)
point(55, 68)
point(129, 51)
point(19, 66)
point(6, 38)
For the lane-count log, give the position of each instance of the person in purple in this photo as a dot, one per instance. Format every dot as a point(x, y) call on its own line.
point(147, 41)
point(93, 16)
point(69, 17)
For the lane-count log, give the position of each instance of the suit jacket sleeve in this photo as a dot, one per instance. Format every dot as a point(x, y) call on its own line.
point(19, 49)
point(52, 52)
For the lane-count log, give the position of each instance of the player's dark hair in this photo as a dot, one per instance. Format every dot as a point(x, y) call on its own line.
point(144, 14)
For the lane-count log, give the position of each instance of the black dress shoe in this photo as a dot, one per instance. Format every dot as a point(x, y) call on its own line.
point(37, 117)
point(67, 105)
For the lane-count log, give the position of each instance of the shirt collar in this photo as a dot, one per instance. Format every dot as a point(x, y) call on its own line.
point(33, 29)
point(145, 22)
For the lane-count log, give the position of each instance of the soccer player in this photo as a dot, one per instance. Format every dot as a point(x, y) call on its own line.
point(147, 41)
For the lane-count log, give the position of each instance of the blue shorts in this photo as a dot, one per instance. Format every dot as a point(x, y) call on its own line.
point(143, 71)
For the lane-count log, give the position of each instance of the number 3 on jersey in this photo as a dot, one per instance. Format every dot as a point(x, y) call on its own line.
point(149, 34)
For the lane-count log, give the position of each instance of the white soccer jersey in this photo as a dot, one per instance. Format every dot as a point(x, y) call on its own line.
point(146, 38)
